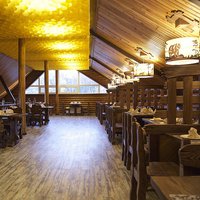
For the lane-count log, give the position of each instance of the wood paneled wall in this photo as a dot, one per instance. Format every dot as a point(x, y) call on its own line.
point(65, 99)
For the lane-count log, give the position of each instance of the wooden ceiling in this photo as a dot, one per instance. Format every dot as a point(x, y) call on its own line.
point(54, 30)
point(119, 27)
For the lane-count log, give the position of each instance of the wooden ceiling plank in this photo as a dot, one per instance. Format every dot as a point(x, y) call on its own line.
point(106, 66)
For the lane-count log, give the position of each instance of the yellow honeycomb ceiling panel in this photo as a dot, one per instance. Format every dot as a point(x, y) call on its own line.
point(54, 30)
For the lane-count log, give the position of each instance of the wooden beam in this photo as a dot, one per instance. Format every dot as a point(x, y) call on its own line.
point(46, 71)
point(21, 74)
point(93, 33)
point(184, 70)
point(7, 89)
point(91, 68)
point(105, 66)
point(57, 95)
point(122, 51)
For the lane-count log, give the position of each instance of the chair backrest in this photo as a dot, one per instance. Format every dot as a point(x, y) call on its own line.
point(141, 165)
point(189, 158)
point(1, 126)
point(36, 109)
point(133, 142)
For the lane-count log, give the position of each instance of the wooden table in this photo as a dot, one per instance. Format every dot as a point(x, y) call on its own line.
point(75, 107)
point(140, 116)
point(184, 141)
point(168, 186)
point(153, 121)
point(46, 112)
point(11, 120)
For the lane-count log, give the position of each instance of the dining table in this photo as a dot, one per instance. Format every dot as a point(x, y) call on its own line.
point(153, 121)
point(183, 139)
point(10, 121)
point(75, 108)
point(139, 116)
point(46, 110)
point(176, 187)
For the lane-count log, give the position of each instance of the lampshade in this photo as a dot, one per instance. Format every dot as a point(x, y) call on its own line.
point(144, 70)
point(182, 51)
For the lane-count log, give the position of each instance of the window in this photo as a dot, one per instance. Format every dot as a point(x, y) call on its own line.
point(70, 82)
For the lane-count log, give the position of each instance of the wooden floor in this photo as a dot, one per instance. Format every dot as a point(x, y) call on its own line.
point(69, 159)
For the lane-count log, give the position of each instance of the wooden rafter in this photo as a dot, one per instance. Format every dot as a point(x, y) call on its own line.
point(106, 66)
point(122, 51)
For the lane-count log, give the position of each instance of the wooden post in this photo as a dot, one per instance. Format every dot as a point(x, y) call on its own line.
point(21, 76)
point(46, 71)
point(187, 100)
point(171, 112)
point(57, 95)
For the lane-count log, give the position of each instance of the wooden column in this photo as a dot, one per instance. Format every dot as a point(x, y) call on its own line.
point(57, 95)
point(187, 99)
point(171, 110)
point(21, 76)
point(46, 77)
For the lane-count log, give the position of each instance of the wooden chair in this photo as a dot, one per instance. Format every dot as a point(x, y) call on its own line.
point(127, 145)
point(3, 139)
point(102, 113)
point(36, 115)
point(116, 123)
point(19, 121)
point(143, 169)
point(189, 157)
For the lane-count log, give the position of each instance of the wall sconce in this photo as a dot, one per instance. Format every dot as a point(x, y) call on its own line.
point(182, 51)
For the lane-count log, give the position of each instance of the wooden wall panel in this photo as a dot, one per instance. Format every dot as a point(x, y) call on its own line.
point(65, 99)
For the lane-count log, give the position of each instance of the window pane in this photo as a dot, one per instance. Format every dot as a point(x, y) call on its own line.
point(42, 79)
point(88, 89)
point(103, 89)
point(36, 82)
point(68, 90)
point(51, 90)
point(32, 90)
point(42, 90)
point(68, 77)
point(52, 79)
point(84, 80)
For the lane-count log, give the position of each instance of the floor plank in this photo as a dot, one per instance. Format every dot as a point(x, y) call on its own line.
point(69, 159)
